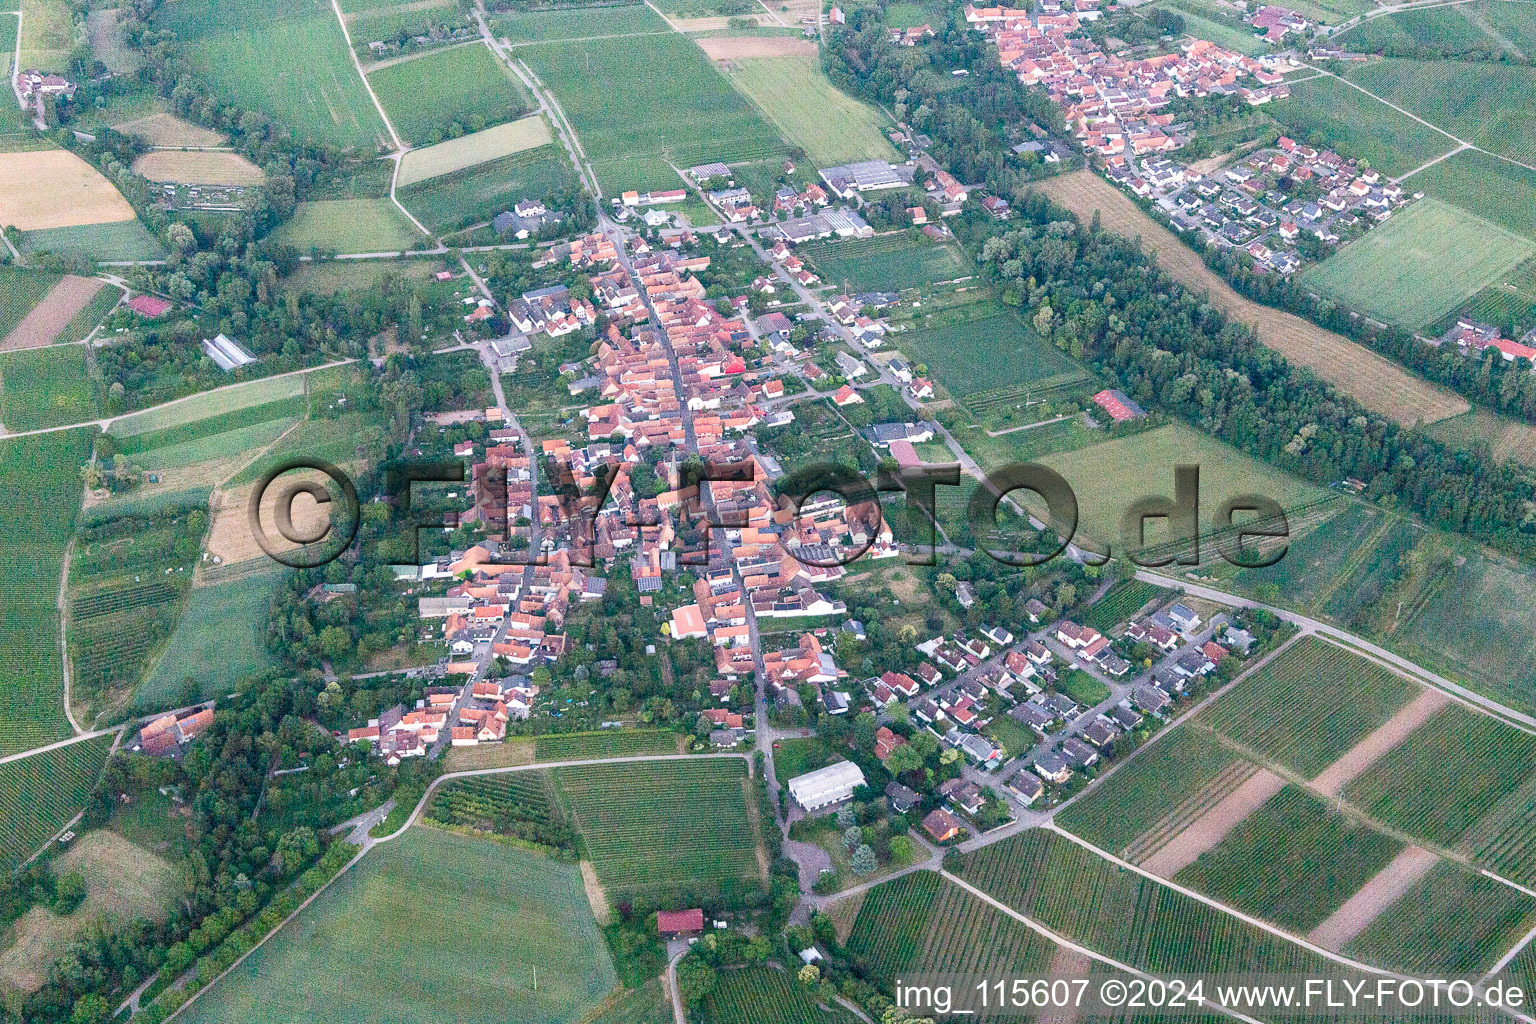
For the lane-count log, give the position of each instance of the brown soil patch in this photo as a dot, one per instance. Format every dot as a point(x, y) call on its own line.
point(515, 751)
point(1372, 380)
point(701, 24)
point(194, 167)
point(49, 318)
point(1389, 885)
point(53, 188)
point(1065, 963)
point(843, 913)
point(231, 540)
point(731, 47)
point(170, 130)
point(1188, 810)
point(595, 894)
point(1379, 742)
point(1206, 832)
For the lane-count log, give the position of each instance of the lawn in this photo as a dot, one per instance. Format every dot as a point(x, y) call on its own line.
point(661, 827)
point(38, 794)
point(479, 193)
point(1293, 861)
point(1419, 265)
point(1453, 922)
point(348, 225)
point(44, 387)
point(433, 928)
point(1446, 776)
point(220, 641)
point(287, 60)
point(831, 126)
point(649, 97)
point(1147, 790)
point(20, 290)
point(1309, 705)
point(41, 474)
point(892, 262)
point(119, 240)
point(794, 757)
point(1494, 189)
point(464, 85)
point(1108, 477)
point(576, 746)
point(1083, 688)
point(1489, 105)
point(985, 356)
point(468, 150)
point(1357, 125)
point(556, 24)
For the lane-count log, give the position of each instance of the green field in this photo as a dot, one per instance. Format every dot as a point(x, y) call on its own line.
point(220, 640)
point(466, 85)
point(1494, 189)
point(649, 97)
point(831, 126)
point(1447, 31)
point(1357, 126)
point(479, 193)
point(203, 406)
point(1122, 601)
point(1488, 105)
point(541, 26)
point(1453, 922)
point(432, 928)
point(287, 60)
point(20, 290)
point(39, 794)
point(985, 356)
point(380, 22)
point(766, 995)
point(348, 225)
point(1509, 304)
point(922, 923)
point(1294, 861)
point(656, 827)
point(39, 473)
point(1108, 477)
point(1309, 705)
point(1446, 776)
point(44, 387)
point(608, 743)
point(1129, 802)
point(1419, 265)
point(123, 240)
point(892, 262)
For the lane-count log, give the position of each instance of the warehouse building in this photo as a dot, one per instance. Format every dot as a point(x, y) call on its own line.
point(826, 786)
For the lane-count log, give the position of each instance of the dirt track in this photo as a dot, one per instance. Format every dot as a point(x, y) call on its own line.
point(48, 319)
point(1206, 832)
point(1379, 742)
point(1374, 381)
point(1389, 885)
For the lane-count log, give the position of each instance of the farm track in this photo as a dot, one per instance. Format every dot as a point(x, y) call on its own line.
point(1372, 380)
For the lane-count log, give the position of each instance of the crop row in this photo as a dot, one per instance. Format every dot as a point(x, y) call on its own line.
point(38, 794)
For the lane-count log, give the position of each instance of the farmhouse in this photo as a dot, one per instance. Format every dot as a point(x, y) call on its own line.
point(826, 786)
point(673, 923)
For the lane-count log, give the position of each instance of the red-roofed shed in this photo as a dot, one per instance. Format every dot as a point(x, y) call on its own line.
point(679, 922)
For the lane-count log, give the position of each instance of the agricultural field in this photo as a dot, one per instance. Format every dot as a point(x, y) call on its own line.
point(893, 262)
point(622, 95)
point(117, 240)
point(1372, 380)
point(608, 743)
point(651, 1003)
point(164, 129)
point(44, 387)
point(1419, 265)
point(349, 225)
point(333, 276)
point(207, 405)
point(1454, 922)
point(1356, 125)
point(521, 805)
point(80, 195)
point(122, 883)
point(39, 473)
point(664, 825)
point(923, 923)
point(220, 640)
point(1493, 189)
point(468, 922)
point(478, 193)
point(1308, 705)
point(1108, 477)
point(542, 26)
point(47, 34)
point(41, 793)
point(69, 299)
point(464, 85)
point(288, 60)
point(1122, 601)
point(378, 22)
point(832, 127)
point(1450, 773)
point(985, 356)
point(1149, 792)
point(21, 289)
point(1509, 303)
point(477, 148)
point(766, 995)
point(1293, 861)
point(1488, 105)
point(1203, 23)
point(198, 168)
point(1464, 30)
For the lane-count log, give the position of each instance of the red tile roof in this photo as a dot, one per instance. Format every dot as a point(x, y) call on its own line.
point(673, 922)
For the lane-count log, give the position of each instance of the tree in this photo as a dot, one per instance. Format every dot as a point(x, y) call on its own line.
point(904, 758)
point(68, 891)
point(846, 816)
point(91, 1009)
point(901, 849)
point(809, 975)
point(695, 980)
point(863, 860)
point(853, 836)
